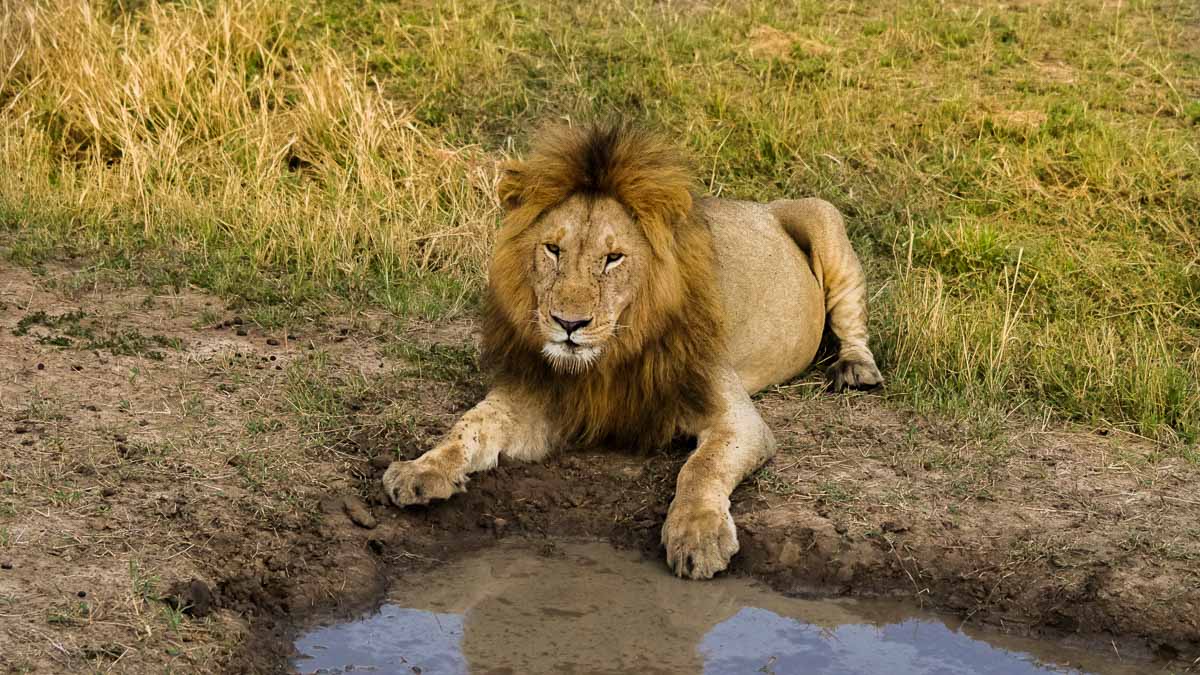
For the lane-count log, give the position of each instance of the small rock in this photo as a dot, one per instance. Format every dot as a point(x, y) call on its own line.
point(108, 491)
point(273, 342)
point(359, 513)
point(5, 565)
point(242, 332)
point(81, 594)
point(41, 366)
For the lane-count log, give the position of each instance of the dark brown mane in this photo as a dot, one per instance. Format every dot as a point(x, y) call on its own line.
point(658, 373)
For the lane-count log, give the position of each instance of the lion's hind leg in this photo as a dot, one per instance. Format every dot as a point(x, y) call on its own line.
point(818, 229)
point(497, 425)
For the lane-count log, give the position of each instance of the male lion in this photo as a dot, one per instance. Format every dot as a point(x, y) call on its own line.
point(622, 309)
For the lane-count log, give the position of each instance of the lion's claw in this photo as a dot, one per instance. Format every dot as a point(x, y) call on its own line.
point(408, 483)
point(699, 540)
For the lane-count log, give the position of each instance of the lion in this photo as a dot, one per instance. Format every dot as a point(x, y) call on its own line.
point(623, 309)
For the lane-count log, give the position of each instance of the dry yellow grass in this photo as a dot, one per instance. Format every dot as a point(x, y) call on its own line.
point(1023, 180)
point(196, 125)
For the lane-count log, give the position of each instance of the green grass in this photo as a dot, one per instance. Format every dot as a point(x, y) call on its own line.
point(1023, 181)
point(69, 329)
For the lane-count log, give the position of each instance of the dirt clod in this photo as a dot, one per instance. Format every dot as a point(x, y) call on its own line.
point(359, 512)
point(193, 598)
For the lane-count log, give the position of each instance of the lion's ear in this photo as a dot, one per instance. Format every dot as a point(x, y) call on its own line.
point(512, 185)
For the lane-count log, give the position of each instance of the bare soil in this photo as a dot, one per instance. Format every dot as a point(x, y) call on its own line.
point(183, 489)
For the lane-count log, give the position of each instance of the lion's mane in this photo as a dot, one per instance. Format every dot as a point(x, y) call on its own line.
point(658, 369)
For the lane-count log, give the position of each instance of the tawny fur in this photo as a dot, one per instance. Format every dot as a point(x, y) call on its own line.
point(623, 309)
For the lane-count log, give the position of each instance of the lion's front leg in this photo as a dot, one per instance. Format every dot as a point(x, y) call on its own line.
point(499, 424)
point(699, 535)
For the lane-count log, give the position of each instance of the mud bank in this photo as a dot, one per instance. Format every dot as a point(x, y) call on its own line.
point(183, 487)
point(624, 500)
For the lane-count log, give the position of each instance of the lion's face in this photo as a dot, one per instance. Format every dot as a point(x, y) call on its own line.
point(589, 260)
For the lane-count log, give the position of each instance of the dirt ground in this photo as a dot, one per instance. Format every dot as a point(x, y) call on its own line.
point(182, 490)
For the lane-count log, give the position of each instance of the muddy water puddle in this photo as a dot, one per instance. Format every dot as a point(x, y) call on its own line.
point(573, 607)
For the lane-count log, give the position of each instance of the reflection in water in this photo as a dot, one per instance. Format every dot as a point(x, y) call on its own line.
point(589, 608)
point(391, 641)
point(759, 640)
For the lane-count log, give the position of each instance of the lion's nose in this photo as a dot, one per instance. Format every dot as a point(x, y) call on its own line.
point(570, 326)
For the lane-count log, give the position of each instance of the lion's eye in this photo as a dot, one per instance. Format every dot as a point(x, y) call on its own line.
point(552, 250)
point(612, 260)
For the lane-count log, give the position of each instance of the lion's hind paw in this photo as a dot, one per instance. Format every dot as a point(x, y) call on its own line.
point(854, 374)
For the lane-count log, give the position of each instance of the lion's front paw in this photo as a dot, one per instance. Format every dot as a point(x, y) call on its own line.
point(418, 482)
point(699, 540)
point(853, 374)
